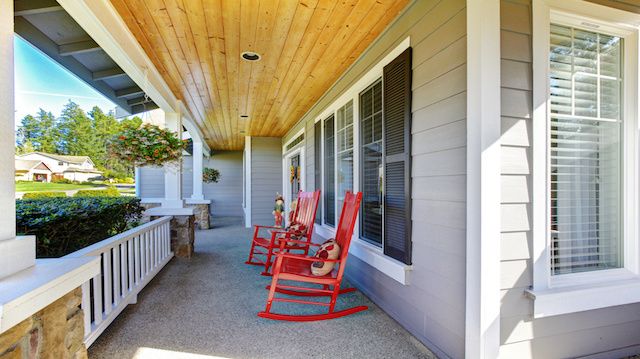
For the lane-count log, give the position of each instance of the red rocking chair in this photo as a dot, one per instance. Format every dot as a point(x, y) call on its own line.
point(305, 214)
point(292, 267)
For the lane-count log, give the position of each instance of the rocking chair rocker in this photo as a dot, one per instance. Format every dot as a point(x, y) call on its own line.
point(304, 214)
point(292, 267)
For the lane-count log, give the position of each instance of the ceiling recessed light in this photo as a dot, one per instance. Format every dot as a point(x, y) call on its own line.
point(250, 56)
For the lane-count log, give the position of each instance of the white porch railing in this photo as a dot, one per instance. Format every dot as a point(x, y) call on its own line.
point(129, 261)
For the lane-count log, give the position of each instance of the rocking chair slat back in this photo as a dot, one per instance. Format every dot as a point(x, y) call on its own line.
point(344, 232)
point(306, 210)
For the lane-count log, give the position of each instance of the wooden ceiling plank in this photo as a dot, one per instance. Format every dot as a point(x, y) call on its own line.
point(215, 36)
point(276, 38)
point(300, 42)
point(160, 18)
point(152, 39)
point(331, 30)
point(190, 30)
point(231, 25)
point(340, 52)
point(250, 11)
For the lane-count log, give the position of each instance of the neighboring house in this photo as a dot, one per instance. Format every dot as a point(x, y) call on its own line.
point(74, 168)
point(32, 170)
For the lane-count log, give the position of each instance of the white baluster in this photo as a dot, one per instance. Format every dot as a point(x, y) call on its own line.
point(123, 269)
point(106, 270)
point(131, 263)
point(86, 306)
point(116, 275)
point(137, 259)
point(97, 299)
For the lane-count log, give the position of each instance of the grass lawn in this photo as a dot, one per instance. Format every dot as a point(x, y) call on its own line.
point(44, 186)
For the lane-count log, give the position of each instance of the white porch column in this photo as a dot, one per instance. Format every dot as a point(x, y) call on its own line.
point(173, 172)
point(482, 317)
point(197, 170)
point(15, 253)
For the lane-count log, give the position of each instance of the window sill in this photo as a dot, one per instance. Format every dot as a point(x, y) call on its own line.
point(565, 300)
point(30, 290)
point(373, 256)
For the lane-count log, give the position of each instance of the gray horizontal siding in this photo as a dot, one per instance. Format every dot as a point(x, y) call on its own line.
point(266, 177)
point(521, 336)
point(432, 306)
point(225, 196)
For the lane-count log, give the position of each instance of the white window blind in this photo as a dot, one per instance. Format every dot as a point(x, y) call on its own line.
point(585, 155)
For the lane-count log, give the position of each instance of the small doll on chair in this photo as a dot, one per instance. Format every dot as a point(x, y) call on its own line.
point(278, 209)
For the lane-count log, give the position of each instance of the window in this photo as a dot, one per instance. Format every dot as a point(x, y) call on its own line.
point(329, 172)
point(344, 145)
point(372, 173)
point(585, 154)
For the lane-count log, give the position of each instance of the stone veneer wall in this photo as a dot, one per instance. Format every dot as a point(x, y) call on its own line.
point(201, 211)
point(55, 332)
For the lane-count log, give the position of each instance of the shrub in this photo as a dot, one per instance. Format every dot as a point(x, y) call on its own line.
point(109, 192)
point(65, 225)
point(45, 194)
point(61, 180)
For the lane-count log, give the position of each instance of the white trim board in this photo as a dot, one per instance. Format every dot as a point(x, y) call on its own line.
point(247, 174)
point(482, 315)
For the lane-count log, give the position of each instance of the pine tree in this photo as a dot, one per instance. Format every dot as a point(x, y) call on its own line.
point(76, 132)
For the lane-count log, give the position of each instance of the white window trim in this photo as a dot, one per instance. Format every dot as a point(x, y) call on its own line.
point(286, 185)
point(575, 292)
point(365, 251)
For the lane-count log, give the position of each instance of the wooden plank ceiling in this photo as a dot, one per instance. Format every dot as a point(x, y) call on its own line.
point(305, 46)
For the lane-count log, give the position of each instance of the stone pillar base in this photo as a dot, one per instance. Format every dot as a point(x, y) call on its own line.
point(57, 331)
point(182, 235)
point(201, 211)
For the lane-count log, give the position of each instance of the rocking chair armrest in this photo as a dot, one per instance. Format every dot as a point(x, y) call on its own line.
point(308, 259)
point(258, 226)
point(287, 240)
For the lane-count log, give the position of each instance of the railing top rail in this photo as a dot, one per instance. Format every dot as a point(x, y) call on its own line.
point(99, 247)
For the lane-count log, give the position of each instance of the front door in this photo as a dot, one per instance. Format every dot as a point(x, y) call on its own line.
point(295, 172)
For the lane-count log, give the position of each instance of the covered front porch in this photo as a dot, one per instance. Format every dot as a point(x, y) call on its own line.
point(208, 306)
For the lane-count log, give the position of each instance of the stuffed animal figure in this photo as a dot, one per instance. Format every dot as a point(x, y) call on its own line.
point(278, 209)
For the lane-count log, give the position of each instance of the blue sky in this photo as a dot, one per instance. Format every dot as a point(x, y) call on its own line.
point(42, 83)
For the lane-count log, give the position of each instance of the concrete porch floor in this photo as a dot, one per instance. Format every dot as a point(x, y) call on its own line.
point(208, 305)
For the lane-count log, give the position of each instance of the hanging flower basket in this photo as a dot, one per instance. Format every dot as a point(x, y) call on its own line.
point(148, 145)
point(210, 175)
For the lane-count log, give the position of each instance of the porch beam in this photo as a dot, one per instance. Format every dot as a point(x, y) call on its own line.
point(32, 7)
point(482, 314)
point(41, 41)
point(129, 91)
point(76, 48)
point(107, 74)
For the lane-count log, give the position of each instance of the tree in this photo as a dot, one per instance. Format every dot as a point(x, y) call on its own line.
point(76, 132)
point(48, 140)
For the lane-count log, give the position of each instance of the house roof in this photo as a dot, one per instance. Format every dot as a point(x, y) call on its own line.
point(63, 158)
point(26, 165)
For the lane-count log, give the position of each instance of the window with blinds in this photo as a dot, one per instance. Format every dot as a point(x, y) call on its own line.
point(329, 172)
point(372, 171)
point(344, 147)
point(585, 154)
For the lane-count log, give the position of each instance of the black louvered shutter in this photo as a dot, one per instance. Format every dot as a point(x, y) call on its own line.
point(396, 109)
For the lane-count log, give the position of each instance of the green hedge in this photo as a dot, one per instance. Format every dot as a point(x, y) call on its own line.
point(65, 225)
point(109, 192)
point(44, 194)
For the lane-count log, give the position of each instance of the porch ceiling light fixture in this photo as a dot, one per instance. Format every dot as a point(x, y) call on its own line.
point(251, 56)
